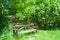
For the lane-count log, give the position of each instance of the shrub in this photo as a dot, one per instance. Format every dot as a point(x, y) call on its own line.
point(43, 12)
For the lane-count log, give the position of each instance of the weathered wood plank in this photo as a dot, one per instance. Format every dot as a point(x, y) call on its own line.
point(28, 31)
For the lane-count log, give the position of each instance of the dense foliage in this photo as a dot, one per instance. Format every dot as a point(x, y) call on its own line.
point(46, 13)
point(4, 22)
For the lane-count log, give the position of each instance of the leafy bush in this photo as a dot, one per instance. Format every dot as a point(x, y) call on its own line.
point(43, 12)
point(47, 14)
point(4, 25)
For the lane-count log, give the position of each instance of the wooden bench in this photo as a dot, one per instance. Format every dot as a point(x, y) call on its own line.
point(25, 27)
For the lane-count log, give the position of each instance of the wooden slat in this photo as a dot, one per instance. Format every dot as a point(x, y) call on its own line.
point(27, 31)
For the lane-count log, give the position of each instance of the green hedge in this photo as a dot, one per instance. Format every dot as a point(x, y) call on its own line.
point(46, 13)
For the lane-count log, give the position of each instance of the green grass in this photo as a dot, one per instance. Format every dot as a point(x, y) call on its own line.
point(42, 35)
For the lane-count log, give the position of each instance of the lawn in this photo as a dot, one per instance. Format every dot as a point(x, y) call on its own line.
point(41, 35)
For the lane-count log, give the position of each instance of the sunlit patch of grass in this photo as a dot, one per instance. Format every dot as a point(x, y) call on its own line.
point(42, 35)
